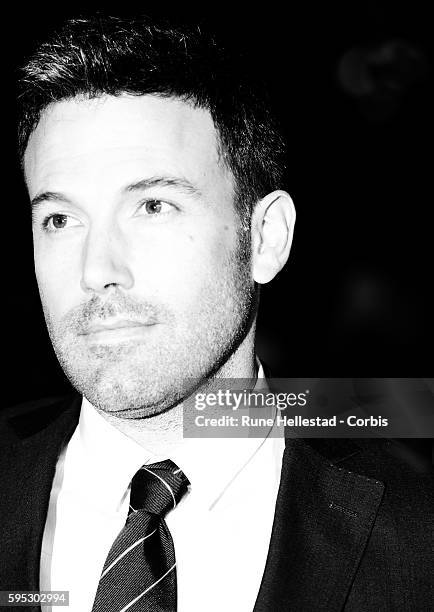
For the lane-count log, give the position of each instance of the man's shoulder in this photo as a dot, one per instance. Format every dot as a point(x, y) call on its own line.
point(29, 406)
point(24, 419)
point(403, 467)
point(377, 458)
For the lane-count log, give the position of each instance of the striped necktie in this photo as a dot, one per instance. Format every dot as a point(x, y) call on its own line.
point(140, 570)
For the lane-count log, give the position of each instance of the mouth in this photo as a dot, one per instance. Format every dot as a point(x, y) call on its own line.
point(116, 330)
point(114, 324)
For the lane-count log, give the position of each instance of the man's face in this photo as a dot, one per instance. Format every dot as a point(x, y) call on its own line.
point(143, 278)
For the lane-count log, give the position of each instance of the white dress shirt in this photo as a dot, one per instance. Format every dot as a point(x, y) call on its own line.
point(221, 528)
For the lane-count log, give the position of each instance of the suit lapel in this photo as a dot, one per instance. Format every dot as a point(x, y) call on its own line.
point(29, 466)
point(323, 519)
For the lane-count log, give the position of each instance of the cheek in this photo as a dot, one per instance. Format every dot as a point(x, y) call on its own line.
point(185, 264)
point(58, 280)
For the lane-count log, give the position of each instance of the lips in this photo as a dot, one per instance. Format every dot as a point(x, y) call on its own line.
point(114, 324)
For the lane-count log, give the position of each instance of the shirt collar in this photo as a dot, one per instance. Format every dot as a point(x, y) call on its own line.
point(108, 453)
point(211, 464)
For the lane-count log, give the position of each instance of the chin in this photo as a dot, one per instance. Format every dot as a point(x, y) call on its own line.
point(131, 397)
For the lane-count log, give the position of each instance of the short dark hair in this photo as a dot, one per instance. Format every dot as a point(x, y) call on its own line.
point(103, 55)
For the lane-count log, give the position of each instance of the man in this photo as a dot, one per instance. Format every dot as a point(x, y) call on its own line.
point(154, 169)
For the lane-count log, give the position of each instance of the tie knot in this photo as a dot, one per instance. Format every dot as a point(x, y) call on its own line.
point(158, 487)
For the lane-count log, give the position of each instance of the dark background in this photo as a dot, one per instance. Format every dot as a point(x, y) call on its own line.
point(352, 84)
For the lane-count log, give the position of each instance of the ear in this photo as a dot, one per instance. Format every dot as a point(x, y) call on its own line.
point(273, 222)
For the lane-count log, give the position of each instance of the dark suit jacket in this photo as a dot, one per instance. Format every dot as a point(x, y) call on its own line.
point(353, 527)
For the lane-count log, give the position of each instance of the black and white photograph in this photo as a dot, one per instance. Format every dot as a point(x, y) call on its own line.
point(218, 240)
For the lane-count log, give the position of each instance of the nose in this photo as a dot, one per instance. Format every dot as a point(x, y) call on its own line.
point(105, 262)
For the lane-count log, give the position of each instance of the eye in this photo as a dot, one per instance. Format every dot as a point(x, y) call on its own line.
point(58, 222)
point(156, 207)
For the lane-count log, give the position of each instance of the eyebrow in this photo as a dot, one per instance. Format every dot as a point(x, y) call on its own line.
point(48, 196)
point(181, 184)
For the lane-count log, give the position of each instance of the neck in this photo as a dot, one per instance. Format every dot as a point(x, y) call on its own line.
point(162, 433)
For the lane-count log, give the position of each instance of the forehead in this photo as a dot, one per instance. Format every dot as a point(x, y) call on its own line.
point(115, 138)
